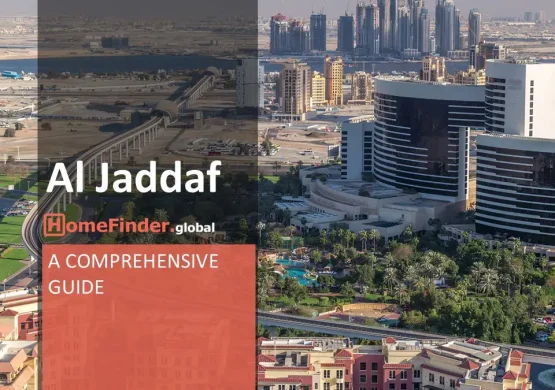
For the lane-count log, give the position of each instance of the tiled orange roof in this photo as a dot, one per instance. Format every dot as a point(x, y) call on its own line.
point(510, 375)
point(469, 365)
point(343, 353)
point(21, 381)
point(8, 313)
point(266, 359)
point(390, 340)
point(515, 353)
point(333, 365)
point(280, 380)
point(397, 365)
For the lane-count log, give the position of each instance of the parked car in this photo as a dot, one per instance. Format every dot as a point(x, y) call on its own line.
point(541, 337)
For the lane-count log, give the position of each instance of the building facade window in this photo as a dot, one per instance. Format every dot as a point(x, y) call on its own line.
point(363, 378)
point(417, 373)
point(391, 374)
point(363, 366)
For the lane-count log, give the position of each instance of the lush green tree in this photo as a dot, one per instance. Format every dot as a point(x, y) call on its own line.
point(316, 256)
point(347, 290)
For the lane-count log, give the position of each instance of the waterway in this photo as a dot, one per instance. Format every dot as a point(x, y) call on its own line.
point(145, 63)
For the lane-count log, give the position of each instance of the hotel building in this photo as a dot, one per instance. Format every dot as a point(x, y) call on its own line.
point(515, 194)
point(421, 135)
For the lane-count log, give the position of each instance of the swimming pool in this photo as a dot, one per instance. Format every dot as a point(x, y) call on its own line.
point(295, 269)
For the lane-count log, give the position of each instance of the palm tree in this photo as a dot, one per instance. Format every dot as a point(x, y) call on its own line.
point(401, 292)
point(341, 234)
point(489, 281)
point(428, 270)
point(363, 235)
point(372, 259)
point(407, 232)
point(477, 270)
point(374, 235)
point(161, 215)
point(260, 226)
point(333, 235)
point(350, 237)
point(390, 277)
point(324, 237)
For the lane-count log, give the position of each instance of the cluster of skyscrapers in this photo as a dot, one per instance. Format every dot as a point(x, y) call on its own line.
point(294, 37)
point(388, 27)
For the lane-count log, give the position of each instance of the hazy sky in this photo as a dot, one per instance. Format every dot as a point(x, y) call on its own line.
point(334, 8)
point(295, 8)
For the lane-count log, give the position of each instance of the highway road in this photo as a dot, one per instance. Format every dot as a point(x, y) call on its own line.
point(375, 333)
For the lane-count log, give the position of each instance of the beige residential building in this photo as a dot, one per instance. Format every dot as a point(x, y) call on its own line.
point(318, 89)
point(361, 87)
point(470, 77)
point(295, 88)
point(433, 69)
point(333, 72)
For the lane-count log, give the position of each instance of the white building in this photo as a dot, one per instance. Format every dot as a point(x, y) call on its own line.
point(519, 98)
point(356, 147)
point(515, 192)
point(250, 83)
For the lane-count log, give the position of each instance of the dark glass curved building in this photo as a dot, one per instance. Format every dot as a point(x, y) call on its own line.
point(515, 193)
point(421, 135)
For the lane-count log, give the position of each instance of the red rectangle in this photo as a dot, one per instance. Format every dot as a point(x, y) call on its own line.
point(152, 328)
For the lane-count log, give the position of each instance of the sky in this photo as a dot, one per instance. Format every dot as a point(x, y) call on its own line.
point(293, 8)
point(334, 8)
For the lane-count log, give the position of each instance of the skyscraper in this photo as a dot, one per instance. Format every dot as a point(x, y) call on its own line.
point(250, 83)
point(295, 88)
point(447, 26)
point(299, 37)
point(318, 31)
point(404, 37)
point(415, 10)
point(372, 30)
point(423, 43)
point(345, 34)
point(359, 25)
point(385, 25)
point(394, 24)
point(278, 34)
point(333, 72)
point(474, 28)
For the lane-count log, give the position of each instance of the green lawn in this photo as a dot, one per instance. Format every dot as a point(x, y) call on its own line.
point(10, 229)
point(28, 184)
point(10, 261)
point(15, 195)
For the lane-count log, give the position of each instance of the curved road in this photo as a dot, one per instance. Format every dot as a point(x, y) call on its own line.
point(32, 224)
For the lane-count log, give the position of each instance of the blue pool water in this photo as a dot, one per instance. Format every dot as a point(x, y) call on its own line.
point(295, 269)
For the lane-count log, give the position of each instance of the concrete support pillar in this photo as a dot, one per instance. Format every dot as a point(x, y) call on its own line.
point(95, 168)
point(111, 160)
point(90, 172)
point(64, 202)
point(58, 207)
point(69, 197)
point(120, 147)
point(134, 146)
point(127, 148)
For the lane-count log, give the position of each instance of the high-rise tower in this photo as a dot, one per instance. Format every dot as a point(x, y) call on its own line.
point(474, 28)
point(385, 25)
point(318, 31)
